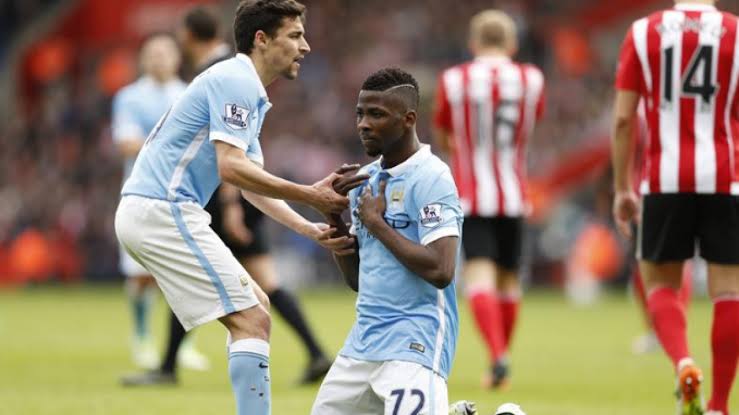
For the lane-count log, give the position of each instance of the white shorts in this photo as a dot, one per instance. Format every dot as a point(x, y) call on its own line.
point(359, 387)
point(198, 275)
point(129, 267)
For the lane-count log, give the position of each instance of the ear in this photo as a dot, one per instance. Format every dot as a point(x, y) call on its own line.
point(410, 118)
point(260, 39)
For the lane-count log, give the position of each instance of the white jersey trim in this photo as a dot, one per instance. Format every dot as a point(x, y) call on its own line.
point(440, 233)
point(219, 136)
point(440, 307)
point(187, 157)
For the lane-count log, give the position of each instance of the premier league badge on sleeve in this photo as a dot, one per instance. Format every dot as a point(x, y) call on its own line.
point(431, 215)
point(236, 116)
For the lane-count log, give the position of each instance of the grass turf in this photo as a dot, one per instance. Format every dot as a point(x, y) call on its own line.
point(63, 349)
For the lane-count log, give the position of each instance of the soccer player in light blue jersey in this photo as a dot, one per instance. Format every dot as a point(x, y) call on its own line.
point(136, 109)
point(209, 135)
point(407, 221)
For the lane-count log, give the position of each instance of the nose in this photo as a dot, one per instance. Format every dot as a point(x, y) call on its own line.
point(362, 124)
point(305, 47)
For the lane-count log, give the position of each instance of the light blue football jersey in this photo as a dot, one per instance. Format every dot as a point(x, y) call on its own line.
point(399, 315)
point(137, 108)
point(178, 163)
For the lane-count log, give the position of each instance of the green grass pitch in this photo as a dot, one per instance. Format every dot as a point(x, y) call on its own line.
point(63, 349)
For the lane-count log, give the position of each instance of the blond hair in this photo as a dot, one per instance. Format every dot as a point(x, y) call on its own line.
point(493, 28)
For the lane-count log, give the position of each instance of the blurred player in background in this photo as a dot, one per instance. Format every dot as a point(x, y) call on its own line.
point(136, 110)
point(211, 134)
point(407, 222)
point(485, 111)
point(684, 62)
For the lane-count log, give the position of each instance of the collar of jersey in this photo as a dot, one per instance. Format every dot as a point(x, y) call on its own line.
point(246, 59)
point(695, 7)
point(422, 154)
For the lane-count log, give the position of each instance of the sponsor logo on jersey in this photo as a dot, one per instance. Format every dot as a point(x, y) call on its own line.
point(236, 116)
point(431, 215)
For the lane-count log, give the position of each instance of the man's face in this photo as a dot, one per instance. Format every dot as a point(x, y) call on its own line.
point(380, 121)
point(287, 48)
point(160, 58)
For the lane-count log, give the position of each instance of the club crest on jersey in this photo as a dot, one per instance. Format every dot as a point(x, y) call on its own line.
point(236, 116)
point(396, 198)
point(431, 215)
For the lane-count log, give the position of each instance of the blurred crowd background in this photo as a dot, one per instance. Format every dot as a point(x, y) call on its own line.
point(62, 61)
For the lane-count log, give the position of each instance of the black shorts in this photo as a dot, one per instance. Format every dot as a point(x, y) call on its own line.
point(253, 219)
point(672, 225)
point(497, 238)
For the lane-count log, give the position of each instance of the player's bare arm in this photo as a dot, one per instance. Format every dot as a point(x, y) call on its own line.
point(233, 214)
point(235, 168)
point(434, 262)
point(625, 201)
point(285, 215)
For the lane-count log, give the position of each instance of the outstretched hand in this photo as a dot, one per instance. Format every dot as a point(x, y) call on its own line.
point(323, 235)
point(348, 179)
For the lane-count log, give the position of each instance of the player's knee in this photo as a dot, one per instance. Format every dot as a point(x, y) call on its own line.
point(252, 323)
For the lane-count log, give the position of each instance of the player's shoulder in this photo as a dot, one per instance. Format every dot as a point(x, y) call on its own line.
point(130, 93)
point(432, 171)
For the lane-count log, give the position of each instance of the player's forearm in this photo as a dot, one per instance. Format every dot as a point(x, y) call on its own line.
point(621, 152)
point(347, 264)
point(279, 211)
point(420, 259)
point(249, 176)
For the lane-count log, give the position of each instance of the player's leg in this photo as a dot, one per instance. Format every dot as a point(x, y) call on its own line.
point(248, 359)
point(723, 287)
point(509, 240)
point(202, 281)
point(719, 245)
point(666, 239)
point(409, 388)
point(141, 290)
point(262, 269)
point(479, 279)
point(346, 389)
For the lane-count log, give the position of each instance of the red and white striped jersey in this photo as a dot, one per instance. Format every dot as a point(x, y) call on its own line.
point(490, 106)
point(684, 62)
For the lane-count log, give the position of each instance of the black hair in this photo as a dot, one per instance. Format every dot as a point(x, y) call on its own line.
point(264, 15)
point(387, 78)
point(203, 23)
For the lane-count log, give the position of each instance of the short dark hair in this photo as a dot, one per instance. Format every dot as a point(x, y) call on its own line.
point(264, 15)
point(203, 23)
point(387, 78)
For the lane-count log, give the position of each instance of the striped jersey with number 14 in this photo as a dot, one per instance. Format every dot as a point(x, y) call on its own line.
point(684, 63)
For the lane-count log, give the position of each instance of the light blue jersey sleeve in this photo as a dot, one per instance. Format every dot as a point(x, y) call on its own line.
point(437, 207)
point(234, 117)
point(127, 123)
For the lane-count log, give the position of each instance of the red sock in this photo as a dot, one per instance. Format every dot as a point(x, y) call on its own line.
point(725, 351)
point(509, 314)
point(668, 318)
point(486, 310)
